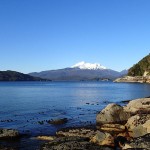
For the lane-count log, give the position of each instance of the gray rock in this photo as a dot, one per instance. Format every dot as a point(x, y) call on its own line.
point(113, 113)
point(138, 106)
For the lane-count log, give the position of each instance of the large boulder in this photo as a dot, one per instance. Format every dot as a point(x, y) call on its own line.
point(138, 106)
point(113, 113)
point(138, 125)
point(8, 133)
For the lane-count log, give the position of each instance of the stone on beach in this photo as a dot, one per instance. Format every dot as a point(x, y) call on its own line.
point(138, 106)
point(113, 113)
point(139, 125)
point(128, 122)
point(103, 138)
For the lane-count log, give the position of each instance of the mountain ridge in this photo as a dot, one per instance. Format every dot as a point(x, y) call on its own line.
point(17, 76)
point(79, 71)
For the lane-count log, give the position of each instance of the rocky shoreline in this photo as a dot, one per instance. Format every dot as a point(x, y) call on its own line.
point(138, 79)
point(117, 127)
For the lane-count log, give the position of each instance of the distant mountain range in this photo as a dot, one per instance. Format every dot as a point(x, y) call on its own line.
point(17, 76)
point(79, 72)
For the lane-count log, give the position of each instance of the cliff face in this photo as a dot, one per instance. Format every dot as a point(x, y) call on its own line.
point(142, 68)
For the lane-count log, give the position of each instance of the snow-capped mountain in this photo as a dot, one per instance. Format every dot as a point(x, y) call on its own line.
point(84, 65)
point(79, 72)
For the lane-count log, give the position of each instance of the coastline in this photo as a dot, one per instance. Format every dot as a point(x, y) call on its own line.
point(116, 126)
point(136, 79)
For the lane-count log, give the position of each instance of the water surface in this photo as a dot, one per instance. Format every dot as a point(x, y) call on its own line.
point(24, 104)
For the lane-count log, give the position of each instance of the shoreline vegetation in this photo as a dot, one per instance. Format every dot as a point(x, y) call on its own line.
point(139, 73)
point(117, 127)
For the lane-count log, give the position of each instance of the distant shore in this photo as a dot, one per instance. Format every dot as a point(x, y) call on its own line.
point(136, 79)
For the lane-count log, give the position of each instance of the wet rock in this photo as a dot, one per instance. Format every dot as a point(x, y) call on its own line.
point(72, 143)
point(41, 122)
point(58, 121)
point(8, 133)
point(113, 113)
point(126, 101)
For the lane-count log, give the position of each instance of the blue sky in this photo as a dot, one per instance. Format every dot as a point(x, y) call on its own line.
point(37, 35)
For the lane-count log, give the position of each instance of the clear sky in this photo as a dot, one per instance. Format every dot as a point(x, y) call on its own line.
point(37, 35)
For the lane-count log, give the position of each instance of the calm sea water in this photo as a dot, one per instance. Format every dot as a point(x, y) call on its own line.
point(24, 104)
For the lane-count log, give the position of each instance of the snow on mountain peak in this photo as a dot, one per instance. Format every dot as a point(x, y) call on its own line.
point(84, 65)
